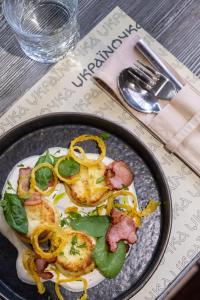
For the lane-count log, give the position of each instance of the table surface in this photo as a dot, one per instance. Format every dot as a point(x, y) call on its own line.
point(174, 23)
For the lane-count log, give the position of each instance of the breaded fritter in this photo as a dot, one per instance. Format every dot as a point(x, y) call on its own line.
point(41, 213)
point(76, 257)
point(89, 189)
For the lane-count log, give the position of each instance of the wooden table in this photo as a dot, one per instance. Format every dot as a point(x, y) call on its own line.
point(174, 23)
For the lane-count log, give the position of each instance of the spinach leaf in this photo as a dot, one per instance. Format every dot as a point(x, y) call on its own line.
point(47, 157)
point(108, 263)
point(15, 213)
point(43, 176)
point(95, 226)
point(68, 167)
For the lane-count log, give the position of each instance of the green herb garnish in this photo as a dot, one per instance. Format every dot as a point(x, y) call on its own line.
point(64, 222)
point(95, 212)
point(125, 187)
point(75, 245)
point(100, 179)
point(82, 245)
point(9, 186)
point(58, 197)
point(105, 135)
point(74, 242)
point(20, 166)
point(72, 216)
point(58, 151)
point(47, 157)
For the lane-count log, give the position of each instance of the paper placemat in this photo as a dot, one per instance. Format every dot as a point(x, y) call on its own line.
point(67, 87)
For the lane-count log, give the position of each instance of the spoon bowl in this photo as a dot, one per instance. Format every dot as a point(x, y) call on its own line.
point(135, 96)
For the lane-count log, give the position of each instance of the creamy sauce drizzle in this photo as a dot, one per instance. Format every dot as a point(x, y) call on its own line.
point(93, 277)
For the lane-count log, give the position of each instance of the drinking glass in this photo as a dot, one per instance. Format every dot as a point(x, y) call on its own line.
point(46, 30)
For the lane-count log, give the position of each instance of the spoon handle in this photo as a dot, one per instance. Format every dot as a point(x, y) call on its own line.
point(153, 58)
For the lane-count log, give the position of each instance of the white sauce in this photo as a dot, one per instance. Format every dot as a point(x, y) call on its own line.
point(93, 277)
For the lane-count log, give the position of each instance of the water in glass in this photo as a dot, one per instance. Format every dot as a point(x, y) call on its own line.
point(46, 30)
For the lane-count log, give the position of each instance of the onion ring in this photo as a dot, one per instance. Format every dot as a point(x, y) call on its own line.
point(57, 240)
point(85, 161)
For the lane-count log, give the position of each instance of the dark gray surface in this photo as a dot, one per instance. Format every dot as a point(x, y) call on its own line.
point(174, 23)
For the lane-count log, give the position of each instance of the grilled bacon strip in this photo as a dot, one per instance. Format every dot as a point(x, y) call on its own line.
point(122, 228)
point(118, 175)
point(35, 199)
point(41, 265)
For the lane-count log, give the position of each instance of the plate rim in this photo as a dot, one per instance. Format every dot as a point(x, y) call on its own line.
point(42, 121)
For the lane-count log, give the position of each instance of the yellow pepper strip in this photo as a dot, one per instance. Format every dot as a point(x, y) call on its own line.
point(57, 240)
point(151, 207)
point(57, 289)
point(70, 179)
point(59, 281)
point(29, 264)
point(132, 211)
point(40, 286)
point(80, 149)
point(33, 185)
point(85, 161)
point(99, 188)
point(71, 209)
point(114, 195)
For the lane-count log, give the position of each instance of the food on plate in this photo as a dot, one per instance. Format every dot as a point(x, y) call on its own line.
point(122, 227)
point(90, 187)
point(71, 215)
point(118, 175)
point(39, 213)
point(76, 257)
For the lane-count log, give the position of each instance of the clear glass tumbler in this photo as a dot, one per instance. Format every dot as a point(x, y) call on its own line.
point(46, 30)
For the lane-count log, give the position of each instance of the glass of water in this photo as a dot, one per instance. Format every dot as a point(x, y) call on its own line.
point(46, 29)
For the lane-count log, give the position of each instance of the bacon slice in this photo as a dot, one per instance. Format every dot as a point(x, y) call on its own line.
point(32, 198)
point(35, 199)
point(24, 178)
point(41, 265)
point(118, 175)
point(122, 229)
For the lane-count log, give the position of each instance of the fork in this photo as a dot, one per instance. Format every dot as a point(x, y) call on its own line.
point(152, 81)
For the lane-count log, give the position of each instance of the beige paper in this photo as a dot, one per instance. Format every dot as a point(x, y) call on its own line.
point(57, 91)
point(177, 124)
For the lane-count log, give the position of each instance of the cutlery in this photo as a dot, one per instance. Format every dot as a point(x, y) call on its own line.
point(135, 96)
point(153, 58)
point(153, 81)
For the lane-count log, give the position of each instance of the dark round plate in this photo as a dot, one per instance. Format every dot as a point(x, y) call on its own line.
point(34, 137)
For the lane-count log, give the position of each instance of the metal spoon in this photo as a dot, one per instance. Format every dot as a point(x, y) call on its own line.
point(135, 96)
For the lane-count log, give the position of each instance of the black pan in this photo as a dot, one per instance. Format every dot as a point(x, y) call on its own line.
point(34, 137)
